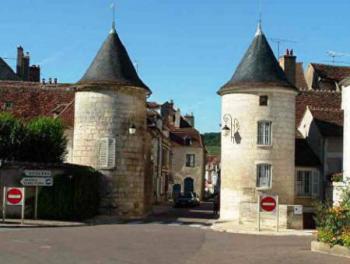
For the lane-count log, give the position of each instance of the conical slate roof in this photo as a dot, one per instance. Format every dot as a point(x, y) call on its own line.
point(6, 73)
point(258, 68)
point(112, 65)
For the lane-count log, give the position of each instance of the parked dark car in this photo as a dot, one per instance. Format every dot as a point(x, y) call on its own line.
point(187, 200)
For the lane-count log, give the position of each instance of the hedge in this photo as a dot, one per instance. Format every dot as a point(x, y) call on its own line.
point(74, 195)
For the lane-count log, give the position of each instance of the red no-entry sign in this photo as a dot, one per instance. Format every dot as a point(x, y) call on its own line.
point(268, 203)
point(14, 196)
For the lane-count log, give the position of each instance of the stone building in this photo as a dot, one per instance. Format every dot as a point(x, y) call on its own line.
point(110, 131)
point(187, 154)
point(346, 107)
point(258, 139)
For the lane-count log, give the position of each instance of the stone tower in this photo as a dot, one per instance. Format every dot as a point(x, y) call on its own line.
point(258, 137)
point(110, 128)
point(346, 107)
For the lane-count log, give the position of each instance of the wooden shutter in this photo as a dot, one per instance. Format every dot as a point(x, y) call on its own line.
point(107, 153)
point(111, 153)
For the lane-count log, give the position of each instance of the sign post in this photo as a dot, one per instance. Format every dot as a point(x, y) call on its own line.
point(277, 214)
point(4, 204)
point(268, 203)
point(258, 207)
point(36, 178)
point(15, 196)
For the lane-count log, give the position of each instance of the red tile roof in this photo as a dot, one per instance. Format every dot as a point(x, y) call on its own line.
point(323, 99)
point(31, 100)
point(178, 137)
point(329, 121)
point(331, 72)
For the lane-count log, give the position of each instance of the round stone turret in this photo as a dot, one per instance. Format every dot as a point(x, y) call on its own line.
point(110, 128)
point(258, 133)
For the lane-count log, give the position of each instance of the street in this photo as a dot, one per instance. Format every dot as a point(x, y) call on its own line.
point(178, 236)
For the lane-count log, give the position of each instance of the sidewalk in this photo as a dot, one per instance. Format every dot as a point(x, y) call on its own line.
point(15, 223)
point(231, 227)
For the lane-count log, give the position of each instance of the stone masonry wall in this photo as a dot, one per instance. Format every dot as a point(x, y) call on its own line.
point(239, 160)
point(108, 113)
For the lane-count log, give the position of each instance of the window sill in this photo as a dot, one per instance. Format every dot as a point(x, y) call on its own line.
point(264, 146)
point(263, 188)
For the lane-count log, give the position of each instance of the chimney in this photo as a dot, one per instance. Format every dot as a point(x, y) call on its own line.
point(288, 64)
point(34, 73)
point(50, 80)
point(44, 81)
point(25, 67)
point(190, 119)
point(19, 60)
point(55, 80)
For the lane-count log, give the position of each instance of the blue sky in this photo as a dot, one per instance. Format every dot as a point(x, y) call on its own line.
point(185, 49)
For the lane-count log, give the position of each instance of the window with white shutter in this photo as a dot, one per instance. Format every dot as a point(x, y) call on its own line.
point(263, 179)
point(107, 151)
point(264, 132)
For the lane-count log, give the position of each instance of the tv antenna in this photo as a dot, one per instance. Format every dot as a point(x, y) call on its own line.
point(335, 54)
point(279, 41)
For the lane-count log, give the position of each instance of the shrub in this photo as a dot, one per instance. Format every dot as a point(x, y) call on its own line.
point(45, 141)
point(74, 195)
point(11, 135)
point(333, 223)
point(325, 236)
point(345, 238)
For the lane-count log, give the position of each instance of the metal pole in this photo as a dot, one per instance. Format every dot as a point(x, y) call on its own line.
point(277, 214)
point(23, 205)
point(36, 203)
point(258, 207)
point(4, 205)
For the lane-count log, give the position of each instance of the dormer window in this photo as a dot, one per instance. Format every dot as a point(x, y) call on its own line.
point(263, 100)
point(188, 141)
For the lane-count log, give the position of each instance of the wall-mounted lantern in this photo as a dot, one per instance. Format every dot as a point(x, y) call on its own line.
point(231, 126)
point(132, 129)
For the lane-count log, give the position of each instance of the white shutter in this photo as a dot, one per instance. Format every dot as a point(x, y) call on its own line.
point(107, 150)
point(315, 184)
point(111, 153)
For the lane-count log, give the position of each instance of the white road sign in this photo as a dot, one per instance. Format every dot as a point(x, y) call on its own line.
point(37, 173)
point(37, 181)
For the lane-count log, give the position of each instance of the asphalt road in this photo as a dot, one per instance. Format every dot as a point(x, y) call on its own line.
point(153, 242)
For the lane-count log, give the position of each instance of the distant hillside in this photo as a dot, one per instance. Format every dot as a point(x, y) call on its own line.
point(212, 143)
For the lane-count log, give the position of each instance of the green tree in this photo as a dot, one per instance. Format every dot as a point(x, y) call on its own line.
point(12, 134)
point(44, 141)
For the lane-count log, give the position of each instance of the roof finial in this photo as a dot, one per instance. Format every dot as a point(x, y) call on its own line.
point(259, 29)
point(113, 19)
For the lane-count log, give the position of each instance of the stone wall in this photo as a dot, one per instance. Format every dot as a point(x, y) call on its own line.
point(239, 159)
point(180, 171)
point(108, 113)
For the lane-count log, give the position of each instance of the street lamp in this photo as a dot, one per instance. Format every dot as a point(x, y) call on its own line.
point(231, 126)
point(132, 129)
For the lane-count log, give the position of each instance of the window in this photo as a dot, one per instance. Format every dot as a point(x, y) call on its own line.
point(264, 133)
point(263, 179)
point(307, 183)
point(190, 160)
point(8, 105)
point(107, 153)
point(188, 141)
point(263, 100)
